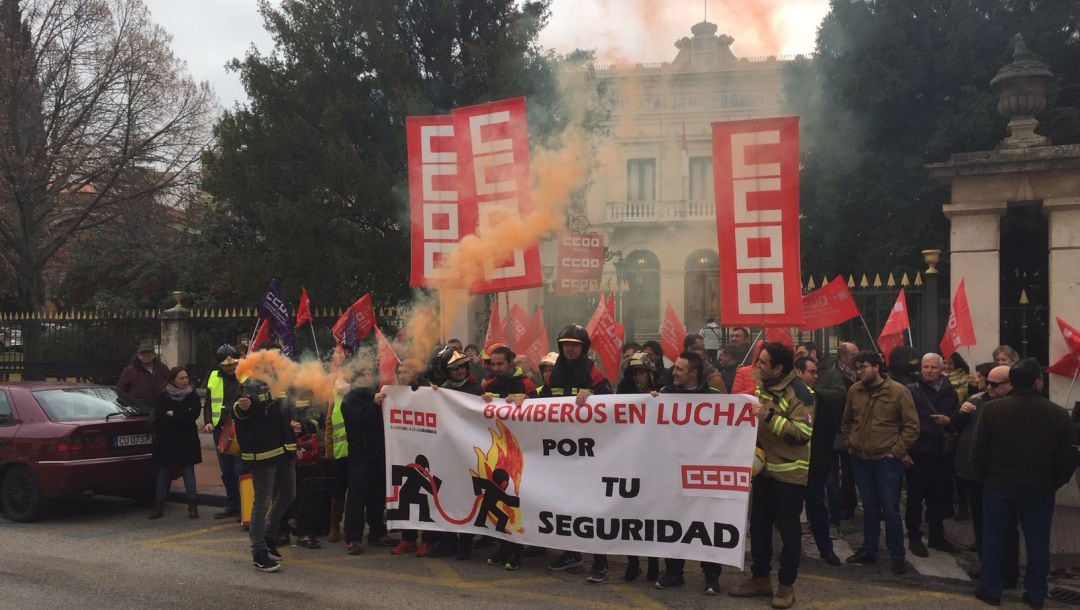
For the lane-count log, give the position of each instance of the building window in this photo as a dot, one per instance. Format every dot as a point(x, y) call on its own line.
point(641, 180)
point(701, 178)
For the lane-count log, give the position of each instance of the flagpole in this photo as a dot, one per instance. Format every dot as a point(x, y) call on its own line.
point(254, 332)
point(313, 340)
point(750, 347)
point(911, 342)
point(873, 341)
point(1068, 396)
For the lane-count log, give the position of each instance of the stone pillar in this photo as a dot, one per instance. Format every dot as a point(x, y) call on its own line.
point(974, 241)
point(177, 342)
point(1064, 228)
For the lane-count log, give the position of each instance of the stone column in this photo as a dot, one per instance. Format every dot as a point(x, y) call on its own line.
point(1064, 228)
point(974, 242)
point(176, 338)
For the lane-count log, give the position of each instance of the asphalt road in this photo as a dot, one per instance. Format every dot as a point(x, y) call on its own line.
point(103, 552)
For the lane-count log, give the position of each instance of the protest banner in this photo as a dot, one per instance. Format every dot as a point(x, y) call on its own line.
point(665, 476)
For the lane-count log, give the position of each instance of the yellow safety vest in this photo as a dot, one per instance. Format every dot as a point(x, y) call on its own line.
point(337, 424)
point(215, 386)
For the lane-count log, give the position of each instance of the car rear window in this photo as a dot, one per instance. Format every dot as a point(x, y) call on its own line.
point(82, 404)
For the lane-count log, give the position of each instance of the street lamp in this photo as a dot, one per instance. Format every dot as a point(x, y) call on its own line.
point(930, 300)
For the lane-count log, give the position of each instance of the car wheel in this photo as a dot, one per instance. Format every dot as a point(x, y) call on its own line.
point(20, 495)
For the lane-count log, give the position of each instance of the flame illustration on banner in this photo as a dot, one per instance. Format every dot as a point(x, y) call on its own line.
point(505, 453)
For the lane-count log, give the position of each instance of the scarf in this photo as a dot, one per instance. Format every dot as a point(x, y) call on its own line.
point(176, 393)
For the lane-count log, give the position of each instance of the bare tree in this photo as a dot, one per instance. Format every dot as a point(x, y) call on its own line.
point(96, 113)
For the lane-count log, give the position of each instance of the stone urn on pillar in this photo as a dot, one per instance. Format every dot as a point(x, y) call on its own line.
point(1020, 88)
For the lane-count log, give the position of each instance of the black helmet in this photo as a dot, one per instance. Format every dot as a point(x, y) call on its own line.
point(575, 333)
point(227, 354)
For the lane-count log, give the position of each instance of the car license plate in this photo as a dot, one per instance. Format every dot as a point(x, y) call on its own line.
point(133, 440)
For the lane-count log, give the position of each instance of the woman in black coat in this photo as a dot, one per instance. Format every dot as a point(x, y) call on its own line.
point(176, 439)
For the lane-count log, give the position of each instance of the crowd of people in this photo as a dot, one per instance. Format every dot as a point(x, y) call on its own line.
point(982, 446)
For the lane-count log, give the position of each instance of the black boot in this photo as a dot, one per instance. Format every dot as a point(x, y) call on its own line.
point(158, 510)
point(192, 509)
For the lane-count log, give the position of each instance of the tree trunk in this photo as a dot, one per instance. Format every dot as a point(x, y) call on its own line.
point(31, 297)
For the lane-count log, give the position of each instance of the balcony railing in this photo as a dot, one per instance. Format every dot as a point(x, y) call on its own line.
point(660, 211)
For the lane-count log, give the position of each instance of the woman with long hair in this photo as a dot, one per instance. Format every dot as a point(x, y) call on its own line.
point(176, 439)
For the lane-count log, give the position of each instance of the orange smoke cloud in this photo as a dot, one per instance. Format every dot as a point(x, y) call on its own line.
point(282, 374)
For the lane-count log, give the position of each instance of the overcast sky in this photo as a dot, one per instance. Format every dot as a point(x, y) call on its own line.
point(208, 33)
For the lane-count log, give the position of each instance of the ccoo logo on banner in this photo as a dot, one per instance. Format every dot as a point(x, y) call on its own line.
point(665, 476)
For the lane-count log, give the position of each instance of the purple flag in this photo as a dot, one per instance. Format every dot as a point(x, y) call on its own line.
point(348, 338)
point(274, 310)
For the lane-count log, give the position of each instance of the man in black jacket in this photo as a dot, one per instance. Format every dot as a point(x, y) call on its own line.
point(268, 446)
point(576, 376)
point(821, 504)
point(931, 471)
point(688, 377)
point(366, 501)
point(1022, 453)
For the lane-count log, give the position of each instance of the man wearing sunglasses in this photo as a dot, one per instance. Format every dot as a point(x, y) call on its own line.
point(1022, 453)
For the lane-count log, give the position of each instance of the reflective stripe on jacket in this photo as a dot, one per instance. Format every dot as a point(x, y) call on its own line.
point(785, 438)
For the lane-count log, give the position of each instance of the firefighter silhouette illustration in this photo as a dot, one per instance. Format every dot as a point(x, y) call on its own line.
point(493, 491)
point(414, 479)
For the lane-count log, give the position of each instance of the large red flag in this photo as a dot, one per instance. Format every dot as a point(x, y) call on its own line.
point(829, 305)
point(517, 328)
point(604, 340)
point(537, 343)
point(261, 337)
point(365, 318)
point(756, 175)
point(303, 312)
point(672, 334)
point(1072, 336)
point(496, 332)
point(959, 331)
point(892, 334)
point(388, 360)
point(620, 330)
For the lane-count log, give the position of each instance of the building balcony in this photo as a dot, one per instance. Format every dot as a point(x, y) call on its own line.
point(660, 211)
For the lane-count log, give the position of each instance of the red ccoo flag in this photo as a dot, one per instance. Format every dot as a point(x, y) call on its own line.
point(892, 334)
point(537, 343)
point(388, 360)
point(262, 336)
point(303, 311)
point(829, 305)
point(496, 332)
point(517, 327)
point(1072, 336)
point(604, 340)
point(959, 331)
point(365, 318)
point(672, 334)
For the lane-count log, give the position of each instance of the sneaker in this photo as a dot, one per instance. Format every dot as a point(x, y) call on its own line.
point(498, 559)
point(830, 558)
point(712, 584)
point(668, 580)
point(384, 540)
point(354, 548)
point(514, 563)
point(565, 561)
point(598, 574)
point(899, 568)
point(984, 597)
point(918, 549)
point(403, 547)
point(423, 549)
point(272, 550)
point(264, 563)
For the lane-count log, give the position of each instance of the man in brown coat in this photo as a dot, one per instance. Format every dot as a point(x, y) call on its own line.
point(145, 377)
point(879, 426)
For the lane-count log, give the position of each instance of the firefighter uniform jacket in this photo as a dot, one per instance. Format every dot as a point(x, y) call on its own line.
point(784, 434)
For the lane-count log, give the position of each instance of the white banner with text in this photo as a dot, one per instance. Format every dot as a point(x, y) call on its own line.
point(665, 476)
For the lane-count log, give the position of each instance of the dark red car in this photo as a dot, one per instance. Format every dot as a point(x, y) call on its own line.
point(61, 439)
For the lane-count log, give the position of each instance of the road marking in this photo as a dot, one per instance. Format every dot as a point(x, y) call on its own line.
point(940, 565)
